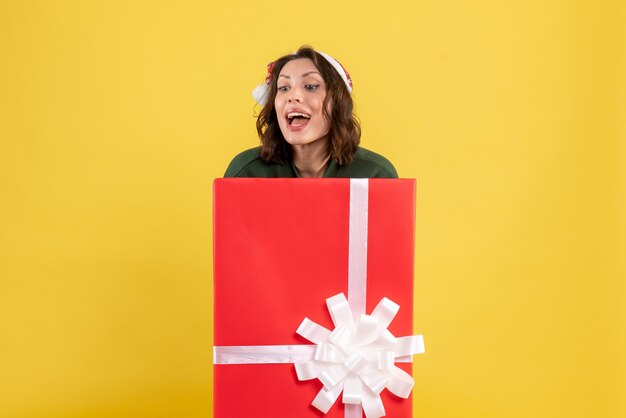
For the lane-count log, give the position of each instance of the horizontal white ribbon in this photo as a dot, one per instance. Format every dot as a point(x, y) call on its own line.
point(271, 354)
point(262, 354)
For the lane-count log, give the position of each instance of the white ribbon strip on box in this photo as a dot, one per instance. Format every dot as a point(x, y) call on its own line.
point(357, 245)
point(358, 357)
point(260, 354)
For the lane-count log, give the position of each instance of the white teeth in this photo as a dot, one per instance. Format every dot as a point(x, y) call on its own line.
point(294, 114)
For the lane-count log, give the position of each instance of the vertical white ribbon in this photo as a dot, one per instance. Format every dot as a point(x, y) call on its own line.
point(357, 261)
point(352, 410)
point(357, 252)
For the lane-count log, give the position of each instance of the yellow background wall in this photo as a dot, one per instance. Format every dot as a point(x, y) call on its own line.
point(116, 115)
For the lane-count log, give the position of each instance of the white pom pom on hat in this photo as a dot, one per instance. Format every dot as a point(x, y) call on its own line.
point(260, 92)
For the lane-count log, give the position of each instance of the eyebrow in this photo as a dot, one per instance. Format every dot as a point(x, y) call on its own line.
point(303, 75)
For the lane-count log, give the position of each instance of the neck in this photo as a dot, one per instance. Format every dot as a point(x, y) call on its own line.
point(311, 160)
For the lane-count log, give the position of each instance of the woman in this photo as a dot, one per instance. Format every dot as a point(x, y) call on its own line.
point(306, 126)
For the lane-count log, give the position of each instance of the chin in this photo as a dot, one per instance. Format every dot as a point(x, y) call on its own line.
point(300, 141)
point(303, 141)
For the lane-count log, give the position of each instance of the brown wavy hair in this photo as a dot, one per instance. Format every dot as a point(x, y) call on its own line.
point(345, 132)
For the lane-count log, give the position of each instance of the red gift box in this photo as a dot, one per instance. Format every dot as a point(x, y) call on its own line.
point(281, 248)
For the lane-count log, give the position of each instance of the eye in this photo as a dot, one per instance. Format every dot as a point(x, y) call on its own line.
point(311, 87)
point(283, 89)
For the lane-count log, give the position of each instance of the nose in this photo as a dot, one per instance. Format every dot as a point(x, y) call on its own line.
point(295, 96)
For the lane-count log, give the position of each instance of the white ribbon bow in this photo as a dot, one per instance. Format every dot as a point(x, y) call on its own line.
point(357, 357)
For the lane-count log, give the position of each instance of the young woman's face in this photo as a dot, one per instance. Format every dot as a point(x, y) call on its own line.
point(299, 103)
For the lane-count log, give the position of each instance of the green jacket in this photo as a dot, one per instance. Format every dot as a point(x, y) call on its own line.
point(365, 164)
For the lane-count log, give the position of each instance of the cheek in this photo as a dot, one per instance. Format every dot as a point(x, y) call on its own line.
point(277, 106)
point(329, 107)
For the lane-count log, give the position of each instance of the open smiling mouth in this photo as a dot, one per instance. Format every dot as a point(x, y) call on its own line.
point(298, 119)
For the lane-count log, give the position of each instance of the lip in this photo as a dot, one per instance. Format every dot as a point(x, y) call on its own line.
point(296, 110)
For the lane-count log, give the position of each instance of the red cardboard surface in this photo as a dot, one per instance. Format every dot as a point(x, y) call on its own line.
point(280, 250)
